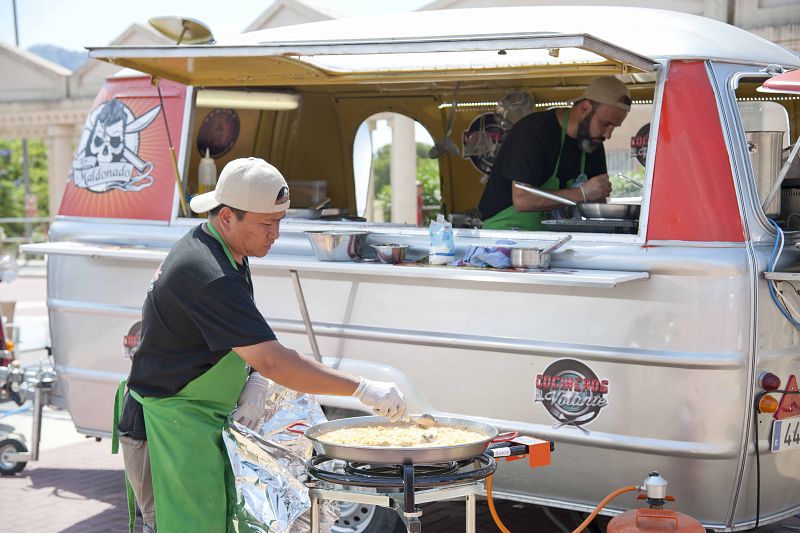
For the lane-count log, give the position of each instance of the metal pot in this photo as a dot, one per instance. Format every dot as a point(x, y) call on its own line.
point(397, 455)
point(390, 253)
point(338, 245)
point(765, 148)
point(528, 257)
point(603, 211)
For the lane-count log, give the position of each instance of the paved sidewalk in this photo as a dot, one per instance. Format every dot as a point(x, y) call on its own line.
point(75, 488)
point(78, 488)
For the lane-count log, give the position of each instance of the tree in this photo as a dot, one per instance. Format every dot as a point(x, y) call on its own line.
point(12, 188)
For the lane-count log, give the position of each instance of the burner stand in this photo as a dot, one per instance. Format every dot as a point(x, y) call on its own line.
point(399, 487)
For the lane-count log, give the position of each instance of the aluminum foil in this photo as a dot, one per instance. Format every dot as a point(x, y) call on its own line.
point(269, 466)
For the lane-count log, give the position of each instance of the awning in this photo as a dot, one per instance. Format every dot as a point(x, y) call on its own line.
point(377, 59)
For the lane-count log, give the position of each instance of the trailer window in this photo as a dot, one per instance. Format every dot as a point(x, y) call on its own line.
point(395, 181)
point(765, 121)
point(626, 151)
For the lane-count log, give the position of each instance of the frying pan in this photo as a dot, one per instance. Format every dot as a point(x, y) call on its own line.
point(398, 455)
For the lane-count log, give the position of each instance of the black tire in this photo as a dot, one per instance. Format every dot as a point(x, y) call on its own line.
point(7, 467)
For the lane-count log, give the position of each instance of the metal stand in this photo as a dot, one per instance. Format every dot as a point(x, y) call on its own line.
point(404, 506)
point(42, 386)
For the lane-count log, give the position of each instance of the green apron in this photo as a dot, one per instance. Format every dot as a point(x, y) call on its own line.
point(510, 218)
point(193, 484)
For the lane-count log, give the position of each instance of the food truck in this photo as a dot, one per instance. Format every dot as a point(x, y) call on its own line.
point(642, 347)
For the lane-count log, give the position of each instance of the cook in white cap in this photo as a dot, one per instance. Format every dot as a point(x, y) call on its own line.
point(206, 348)
point(559, 150)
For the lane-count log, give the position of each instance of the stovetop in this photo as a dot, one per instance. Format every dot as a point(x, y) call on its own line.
point(598, 225)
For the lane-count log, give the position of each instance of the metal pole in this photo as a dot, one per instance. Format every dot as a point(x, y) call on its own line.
point(304, 311)
point(16, 31)
point(471, 513)
point(314, 513)
point(26, 177)
point(37, 422)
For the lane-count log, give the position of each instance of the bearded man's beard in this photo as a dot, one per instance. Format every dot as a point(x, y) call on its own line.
point(585, 140)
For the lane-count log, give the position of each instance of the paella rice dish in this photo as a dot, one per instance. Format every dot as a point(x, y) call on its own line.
point(402, 436)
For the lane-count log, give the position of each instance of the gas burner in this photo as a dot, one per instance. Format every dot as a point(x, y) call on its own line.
point(399, 487)
point(420, 470)
point(400, 476)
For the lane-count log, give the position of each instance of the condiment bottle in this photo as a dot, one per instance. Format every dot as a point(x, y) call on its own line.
point(206, 174)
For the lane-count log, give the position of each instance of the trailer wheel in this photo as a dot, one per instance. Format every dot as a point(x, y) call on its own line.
point(9, 467)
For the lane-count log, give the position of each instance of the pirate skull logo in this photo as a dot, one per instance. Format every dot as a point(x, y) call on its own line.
point(108, 134)
point(108, 152)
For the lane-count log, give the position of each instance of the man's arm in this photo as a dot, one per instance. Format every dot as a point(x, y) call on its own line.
point(294, 371)
point(596, 189)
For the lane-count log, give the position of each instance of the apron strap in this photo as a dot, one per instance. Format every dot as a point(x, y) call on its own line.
point(561, 148)
point(216, 235)
point(119, 399)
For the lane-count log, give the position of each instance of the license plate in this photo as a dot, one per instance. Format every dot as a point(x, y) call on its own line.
point(785, 435)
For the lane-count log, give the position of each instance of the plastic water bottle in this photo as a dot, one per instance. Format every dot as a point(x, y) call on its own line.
point(206, 174)
point(443, 247)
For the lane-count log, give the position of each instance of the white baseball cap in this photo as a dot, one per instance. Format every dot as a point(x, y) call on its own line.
point(250, 184)
point(608, 90)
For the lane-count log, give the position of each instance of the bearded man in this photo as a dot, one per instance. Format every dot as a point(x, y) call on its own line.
point(557, 151)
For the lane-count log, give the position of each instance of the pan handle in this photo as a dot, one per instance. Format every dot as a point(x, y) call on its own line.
point(291, 427)
point(506, 437)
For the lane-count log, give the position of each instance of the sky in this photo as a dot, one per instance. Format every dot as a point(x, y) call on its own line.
point(74, 24)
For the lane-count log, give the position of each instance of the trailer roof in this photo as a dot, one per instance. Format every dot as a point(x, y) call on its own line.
point(654, 33)
point(547, 41)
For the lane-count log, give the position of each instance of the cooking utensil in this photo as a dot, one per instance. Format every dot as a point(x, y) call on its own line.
point(398, 455)
point(446, 144)
point(543, 194)
point(530, 257)
point(425, 421)
point(390, 253)
point(333, 245)
point(312, 213)
point(603, 211)
point(632, 180)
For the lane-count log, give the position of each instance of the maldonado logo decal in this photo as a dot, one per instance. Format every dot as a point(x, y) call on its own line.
point(572, 393)
point(108, 151)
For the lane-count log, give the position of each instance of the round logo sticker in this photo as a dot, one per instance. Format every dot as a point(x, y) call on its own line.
point(571, 393)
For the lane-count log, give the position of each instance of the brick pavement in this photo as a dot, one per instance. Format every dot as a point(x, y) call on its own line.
point(79, 488)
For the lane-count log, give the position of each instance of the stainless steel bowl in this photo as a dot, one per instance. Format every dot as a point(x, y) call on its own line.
point(609, 210)
point(390, 253)
point(338, 245)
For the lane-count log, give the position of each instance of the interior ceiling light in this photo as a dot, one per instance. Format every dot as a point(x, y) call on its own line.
point(275, 101)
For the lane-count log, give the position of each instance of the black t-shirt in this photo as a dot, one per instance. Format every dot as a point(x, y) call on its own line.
point(197, 308)
point(528, 154)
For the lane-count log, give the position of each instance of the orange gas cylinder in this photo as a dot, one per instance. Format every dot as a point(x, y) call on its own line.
point(654, 521)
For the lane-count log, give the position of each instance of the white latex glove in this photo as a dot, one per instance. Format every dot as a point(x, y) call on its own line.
point(251, 401)
point(383, 397)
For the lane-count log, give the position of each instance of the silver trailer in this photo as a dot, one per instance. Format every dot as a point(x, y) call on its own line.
point(635, 351)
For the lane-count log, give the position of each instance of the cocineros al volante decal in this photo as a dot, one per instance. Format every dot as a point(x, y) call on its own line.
point(572, 393)
point(131, 340)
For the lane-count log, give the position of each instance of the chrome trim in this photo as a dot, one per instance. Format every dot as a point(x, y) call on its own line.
point(662, 358)
point(88, 308)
